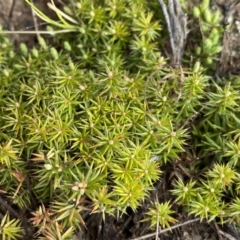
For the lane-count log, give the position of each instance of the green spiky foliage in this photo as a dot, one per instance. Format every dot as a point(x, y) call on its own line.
point(10, 228)
point(207, 28)
point(212, 31)
point(86, 125)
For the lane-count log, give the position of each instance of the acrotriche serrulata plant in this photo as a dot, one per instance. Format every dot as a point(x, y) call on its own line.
point(88, 126)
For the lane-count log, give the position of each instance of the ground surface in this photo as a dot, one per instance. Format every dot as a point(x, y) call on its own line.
point(16, 15)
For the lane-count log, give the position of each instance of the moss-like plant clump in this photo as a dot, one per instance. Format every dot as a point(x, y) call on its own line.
point(90, 124)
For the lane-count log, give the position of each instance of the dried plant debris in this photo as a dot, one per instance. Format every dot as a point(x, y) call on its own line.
point(230, 55)
point(176, 21)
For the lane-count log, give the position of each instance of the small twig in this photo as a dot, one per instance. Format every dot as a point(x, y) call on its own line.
point(157, 228)
point(165, 12)
point(10, 15)
point(192, 117)
point(9, 208)
point(183, 169)
point(218, 230)
point(40, 32)
point(124, 226)
point(227, 235)
point(233, 230)
point(176, 22)
point(39, 24)
point(167, 229)
point(228, 9)
point(28, 228)
point(35, 23)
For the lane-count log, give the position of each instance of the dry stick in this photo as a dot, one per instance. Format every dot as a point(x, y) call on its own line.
point(40, 32)
point(167, 229)
point(39, 24)
point(182, 168)
point(228, 236)
point(180, 27)
point(157, 228)
point(177, 27)
point(15, 214)
point(124, 226)
point(35, 21)
point(9, 208)
point(193, 116)
point(217, 228)
point(165, 12)
point(228, 10)
point(10, 15)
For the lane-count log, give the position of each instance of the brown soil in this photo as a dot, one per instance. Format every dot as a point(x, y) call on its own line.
point(16, 15)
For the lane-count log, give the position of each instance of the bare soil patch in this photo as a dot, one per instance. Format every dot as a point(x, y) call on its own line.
point(16, 15)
